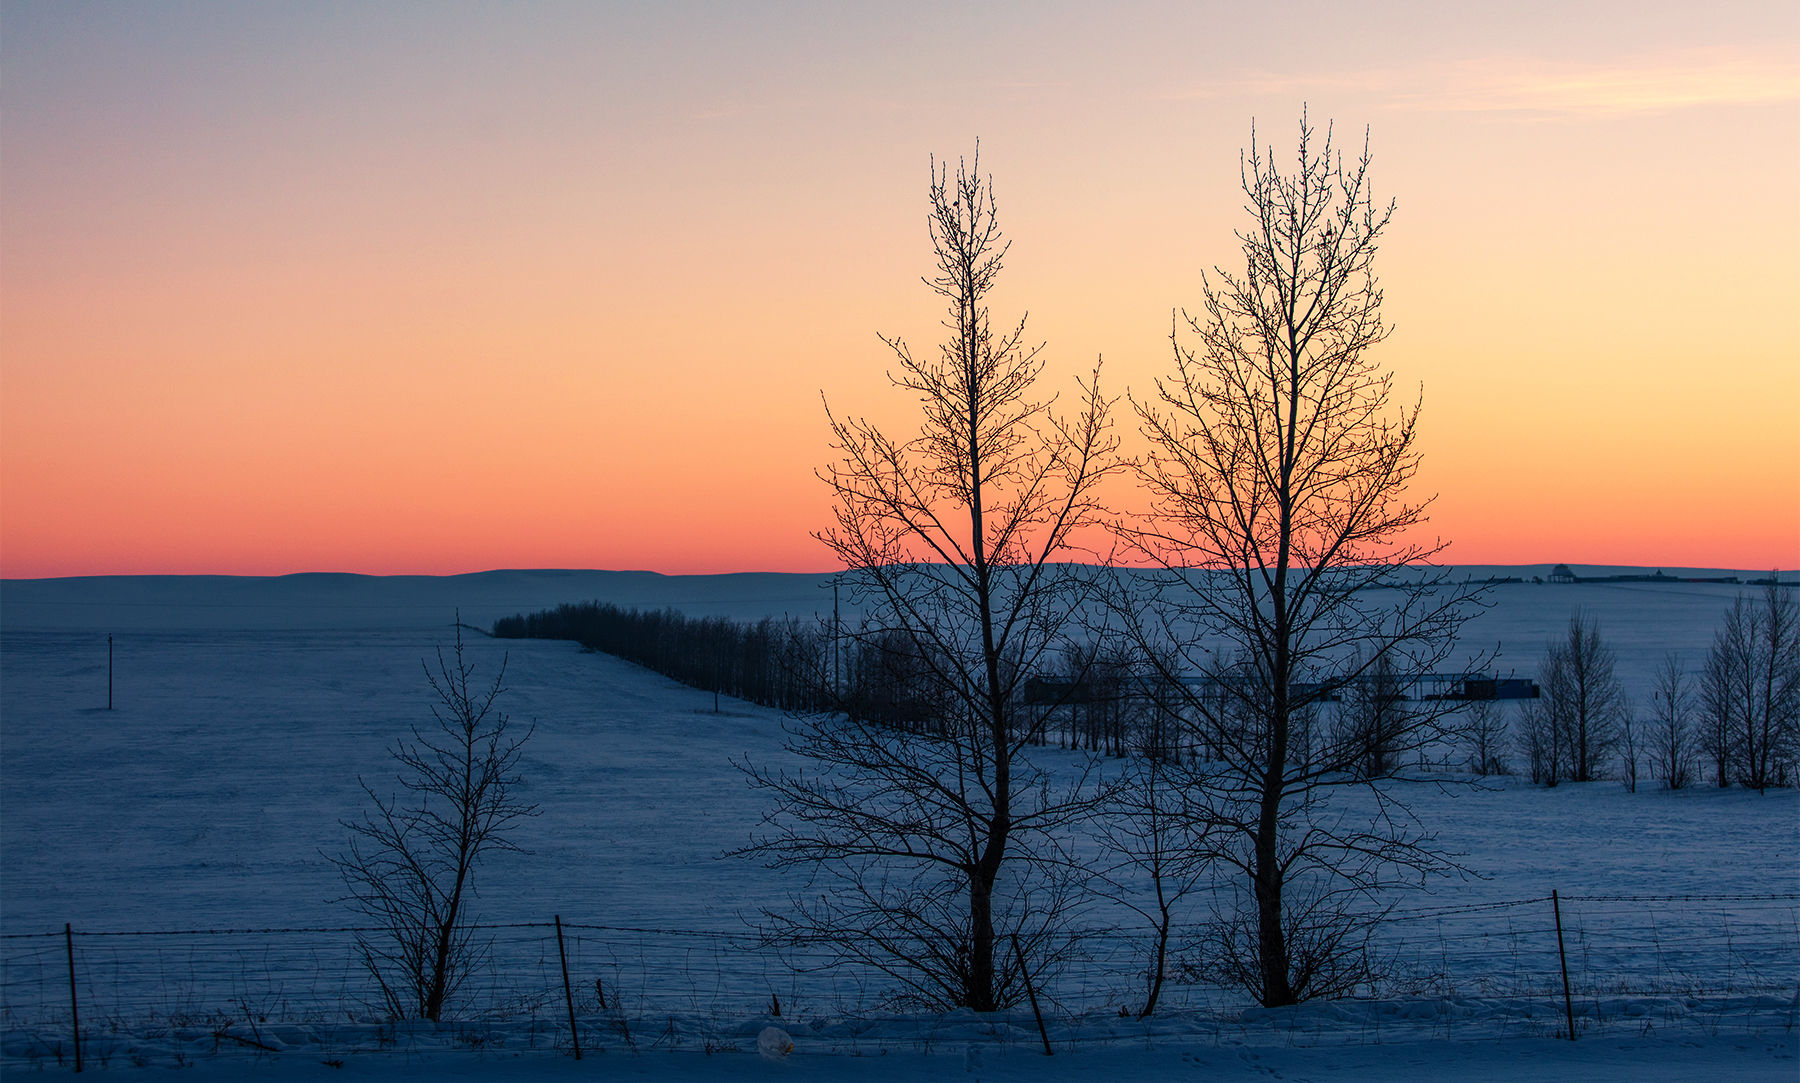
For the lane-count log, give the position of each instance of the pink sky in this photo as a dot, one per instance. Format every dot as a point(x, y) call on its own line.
point(397, 288)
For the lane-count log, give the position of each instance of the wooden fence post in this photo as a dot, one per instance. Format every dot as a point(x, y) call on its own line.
point(568, 994)
point(1032, 993)
point(1563, 956)
point(74, 1008)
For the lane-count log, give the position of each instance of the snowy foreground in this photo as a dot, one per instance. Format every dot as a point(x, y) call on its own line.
point(182, 836)
point(1599, 1060)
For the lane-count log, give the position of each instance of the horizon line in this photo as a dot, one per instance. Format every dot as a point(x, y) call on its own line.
point(770, 571)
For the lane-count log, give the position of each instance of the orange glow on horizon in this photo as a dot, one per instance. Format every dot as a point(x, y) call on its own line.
point(370, 290)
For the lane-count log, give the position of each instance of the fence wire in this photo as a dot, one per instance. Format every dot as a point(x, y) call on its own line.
point(159, 994)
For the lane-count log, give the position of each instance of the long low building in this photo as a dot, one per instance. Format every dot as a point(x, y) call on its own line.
point(1052, 691)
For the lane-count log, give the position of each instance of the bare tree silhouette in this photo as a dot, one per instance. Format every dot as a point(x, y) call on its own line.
point(1583, 702)
point(1672, 736)
point(954, 542)
point(1290, 574)
point(1751, 688)
point(1484, 732)
point(410, 863)
point(1150, 833)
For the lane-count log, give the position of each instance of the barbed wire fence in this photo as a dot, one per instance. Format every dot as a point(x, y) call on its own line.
point(156, 996)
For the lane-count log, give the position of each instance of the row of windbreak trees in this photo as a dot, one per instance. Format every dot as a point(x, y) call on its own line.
point(789, 664)
point(774, 663)
point(1736, 720)
point(1103, 698)
point(1099, 699)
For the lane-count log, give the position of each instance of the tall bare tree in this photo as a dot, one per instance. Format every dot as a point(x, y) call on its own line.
point(1751, 688)
point(1485, 732)
point(957, 543)
point(1539, 742)
point(1631, 740)
point(1772, 736)
point(1672, 735)
point(1583, 702)
point(1374, 715)
point(410, 862)
point(1727, 684)
point(1291, 567)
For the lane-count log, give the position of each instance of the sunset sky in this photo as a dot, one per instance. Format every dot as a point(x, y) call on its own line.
point(448, 287)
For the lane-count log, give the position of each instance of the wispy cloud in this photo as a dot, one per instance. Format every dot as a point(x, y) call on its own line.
point(1658, 84)
point(1521, 88)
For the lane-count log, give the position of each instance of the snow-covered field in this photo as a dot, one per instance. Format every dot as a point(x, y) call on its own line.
point(246, 709)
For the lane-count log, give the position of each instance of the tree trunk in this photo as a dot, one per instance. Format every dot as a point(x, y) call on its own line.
point(1272, 948)
point(980, 992)
point(983, 991)
point(446, 936)
point(1271, 938)
point(1162, 967)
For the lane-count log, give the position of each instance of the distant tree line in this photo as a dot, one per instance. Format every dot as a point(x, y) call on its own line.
point(1737, 719)
point(1734, 720)
point(1100, 699)
point(775, 663)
